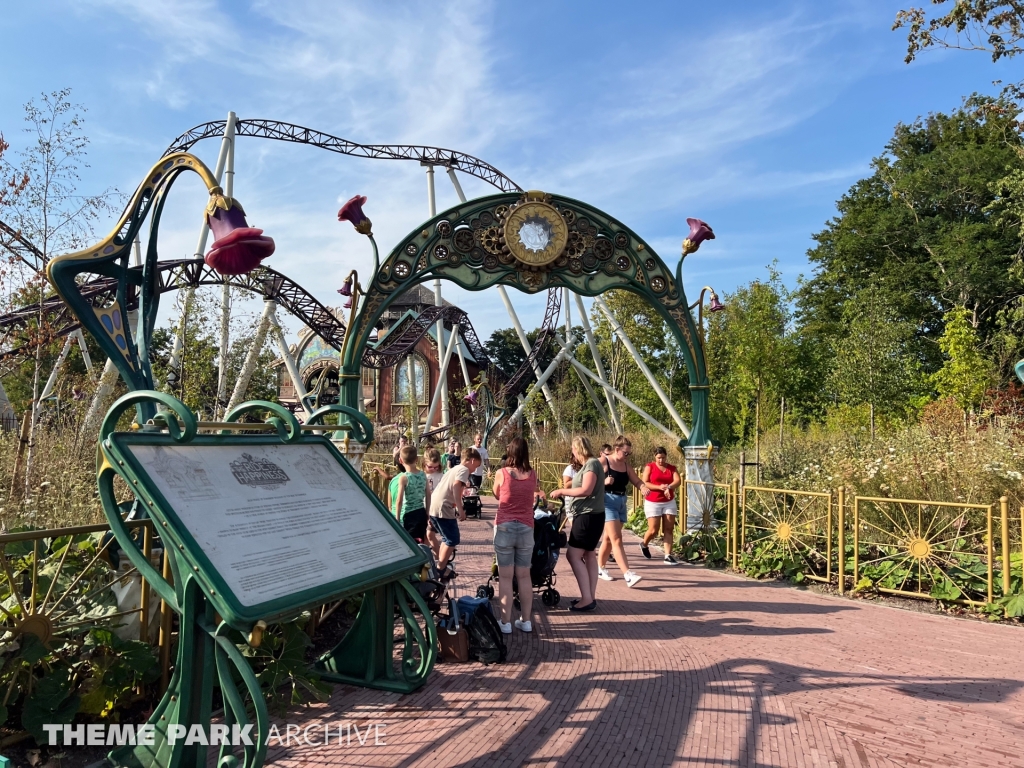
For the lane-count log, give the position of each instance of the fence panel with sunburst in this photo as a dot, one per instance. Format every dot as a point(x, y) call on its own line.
point(929, 549)
point(706, 515)
point(794, 524)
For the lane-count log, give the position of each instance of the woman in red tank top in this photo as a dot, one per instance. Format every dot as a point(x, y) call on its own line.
point(660, 506)
point(515, 488)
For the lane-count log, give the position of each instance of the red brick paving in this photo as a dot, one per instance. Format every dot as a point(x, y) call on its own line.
point(699, 668)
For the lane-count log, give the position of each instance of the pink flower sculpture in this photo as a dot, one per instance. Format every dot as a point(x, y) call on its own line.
point(238, 248)
point(699, 232)
point(353, 211)
point(715, 305)
point(346, 287)
point(472, 398)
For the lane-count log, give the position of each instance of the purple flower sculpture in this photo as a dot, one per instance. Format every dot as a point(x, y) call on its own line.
point(348, 303)
point(353, 211)
point(699, 232)
point(472, 398)
point(715, 305)
point(237, 247)
point(346, 287)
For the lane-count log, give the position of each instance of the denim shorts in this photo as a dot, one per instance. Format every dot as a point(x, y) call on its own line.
point(448, 529)
point(513, 544)
point(615, 508)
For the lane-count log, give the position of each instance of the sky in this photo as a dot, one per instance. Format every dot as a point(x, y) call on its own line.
point(753, 116)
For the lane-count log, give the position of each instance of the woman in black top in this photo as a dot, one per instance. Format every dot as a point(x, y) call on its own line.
point(619, 474)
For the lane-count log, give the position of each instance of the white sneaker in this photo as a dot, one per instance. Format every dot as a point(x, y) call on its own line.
point(506, 629)
point(604, 575)
point(632, 578)
point(525, 626)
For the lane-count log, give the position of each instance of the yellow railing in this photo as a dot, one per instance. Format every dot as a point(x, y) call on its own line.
point(929, 549)
point(796, 524)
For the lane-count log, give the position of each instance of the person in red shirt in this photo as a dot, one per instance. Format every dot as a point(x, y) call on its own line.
point(661, 508)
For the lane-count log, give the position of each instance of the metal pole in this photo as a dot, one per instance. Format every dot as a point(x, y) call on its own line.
point(438, 301)
point(621, 333)
point(204, 232)
point(251, 358)
point(592, 343)
point(526, 348)
point(456, 184)
point(225, 293)
point(414, 400)
point(444, 367)
point(1004, 532)
point(52, 381)
point(562, 354)
point(465, 369)
point(286, 355)
point(104, 389)
point(587, 372)
point(84, 348)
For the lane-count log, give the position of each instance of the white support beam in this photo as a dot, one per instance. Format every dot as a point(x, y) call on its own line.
point(590, 374)
point(252, 357)
point(438, 301)
point(563, 354)
point(465, 369)
point(456, 184)
point(442, 375)
point(286, 355)
point(621, 333)
point(84, 349)
point(225, 291)
point(104, 390)
point(548, 396)
point(598, 363)
point(57, 365)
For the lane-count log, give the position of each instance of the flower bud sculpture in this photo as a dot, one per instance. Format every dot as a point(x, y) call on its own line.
point(346, 287)
point(715, 305)
point(699, 232)
point(237, 247)
point(472, 398)
point(353, 211)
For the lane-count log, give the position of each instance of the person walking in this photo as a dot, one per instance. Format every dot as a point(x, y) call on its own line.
point(587, 494)
point(660, 506)
point(412, 496)
point(477, 478)
point(619, 475)
point(446, 508)
point(516, 488)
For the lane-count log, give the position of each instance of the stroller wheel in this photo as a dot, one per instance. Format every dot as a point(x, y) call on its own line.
point(549, 597)
point(481, 591)
point(555, 598)
point(516, 603)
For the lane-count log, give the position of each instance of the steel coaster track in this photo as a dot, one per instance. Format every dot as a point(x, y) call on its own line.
point(297, 134)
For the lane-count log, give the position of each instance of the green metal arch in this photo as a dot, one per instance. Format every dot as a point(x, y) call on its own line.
point(602, 255)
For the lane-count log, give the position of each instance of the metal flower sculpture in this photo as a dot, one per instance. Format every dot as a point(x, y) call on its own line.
point(346, 287)
point(353, 211)
point(715, 305)
point(699, 232)
point(472, 398)
point(238, 248)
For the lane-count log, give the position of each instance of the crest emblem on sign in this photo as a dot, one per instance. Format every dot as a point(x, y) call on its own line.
point(257, 472)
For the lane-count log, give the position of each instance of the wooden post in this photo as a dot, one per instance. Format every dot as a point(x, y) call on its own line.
point(166, 616)
point(22, 442)
point(841, 502)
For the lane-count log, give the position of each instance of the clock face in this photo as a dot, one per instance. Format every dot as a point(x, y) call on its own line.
point(536, 233)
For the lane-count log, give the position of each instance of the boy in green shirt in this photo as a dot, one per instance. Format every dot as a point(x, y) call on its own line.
point(411, 495)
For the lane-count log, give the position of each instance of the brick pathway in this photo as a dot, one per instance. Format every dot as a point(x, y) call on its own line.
point(699, 668)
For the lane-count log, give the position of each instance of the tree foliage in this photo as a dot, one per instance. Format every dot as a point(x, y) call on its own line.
point(965, 375)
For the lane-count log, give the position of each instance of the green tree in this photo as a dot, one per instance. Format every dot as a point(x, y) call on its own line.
point(965, 375)
point(751, 357)
point(920, 230)
point(874, 362)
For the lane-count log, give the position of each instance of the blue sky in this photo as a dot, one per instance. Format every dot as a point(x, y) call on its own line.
point(755, 117)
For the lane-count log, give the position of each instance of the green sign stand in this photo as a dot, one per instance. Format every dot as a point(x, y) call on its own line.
point(276, 484)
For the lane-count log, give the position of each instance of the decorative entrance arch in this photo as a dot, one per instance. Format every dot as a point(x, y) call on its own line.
point(534, 241)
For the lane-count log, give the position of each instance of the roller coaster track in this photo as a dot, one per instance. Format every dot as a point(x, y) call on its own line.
point(272, 285)
point(297, 134)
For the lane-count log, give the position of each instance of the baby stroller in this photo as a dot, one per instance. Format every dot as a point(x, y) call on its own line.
point(431, 583)
point(471, 502)
point(548, 541)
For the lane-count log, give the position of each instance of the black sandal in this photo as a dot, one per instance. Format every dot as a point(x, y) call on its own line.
point(590, 607)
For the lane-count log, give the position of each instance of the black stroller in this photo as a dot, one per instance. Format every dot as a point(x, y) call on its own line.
point(471, 502)
point(548, 541)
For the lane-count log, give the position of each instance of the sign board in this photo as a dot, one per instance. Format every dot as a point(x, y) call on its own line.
point(271, 526)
